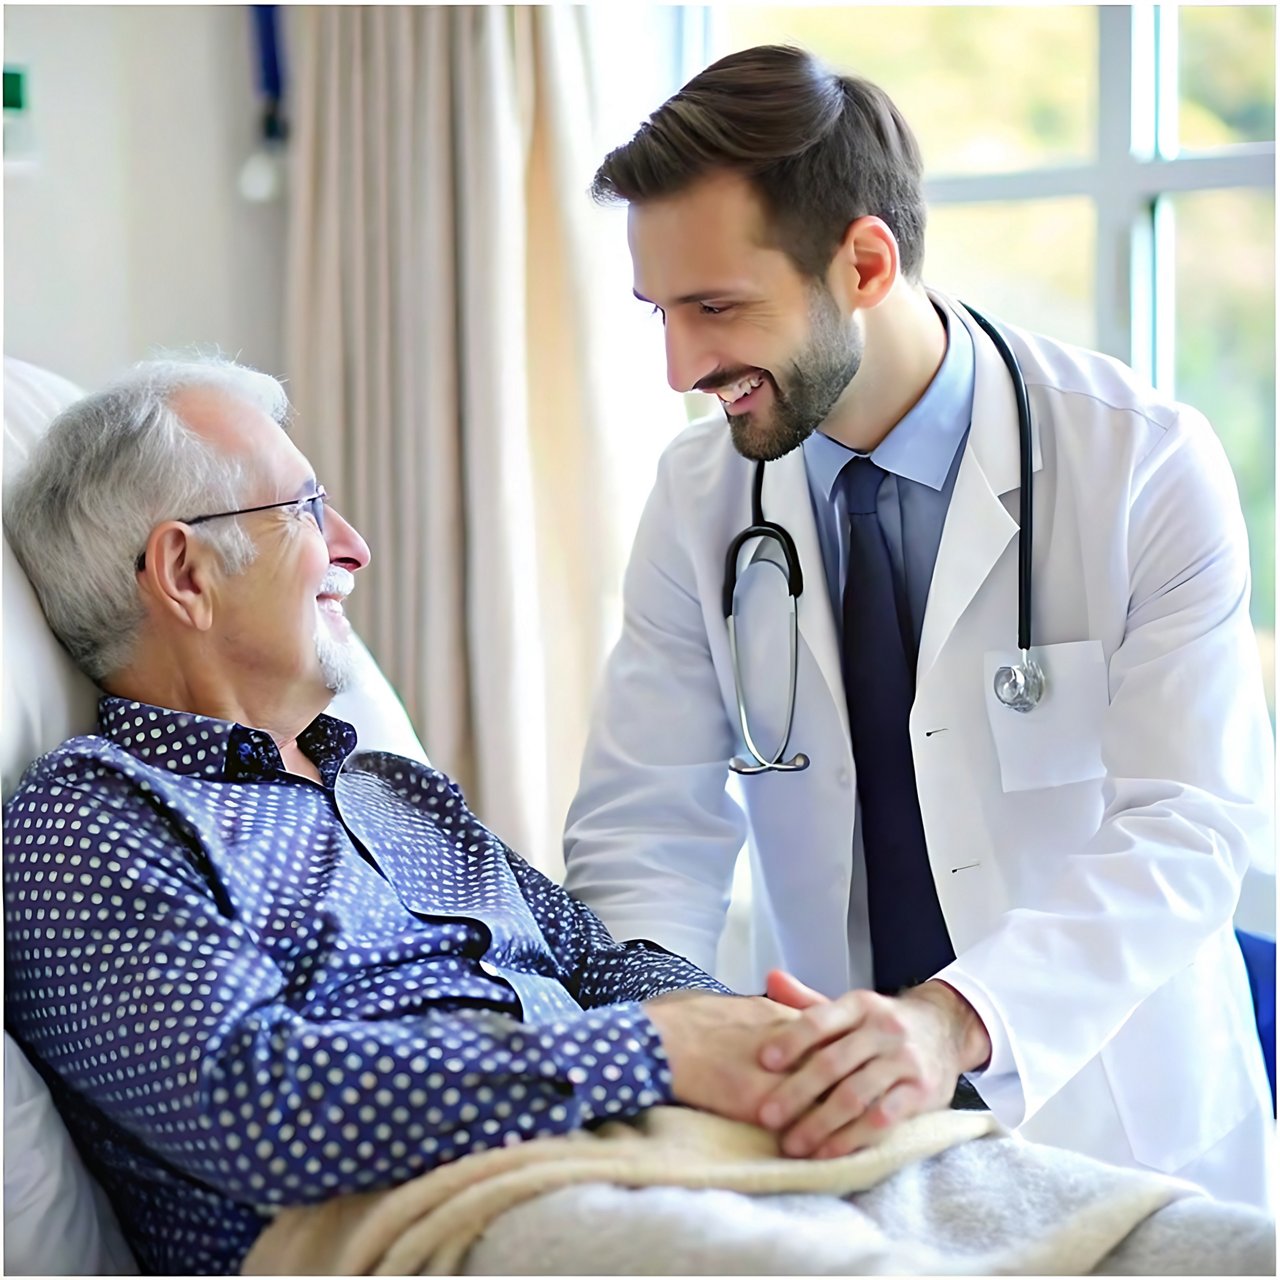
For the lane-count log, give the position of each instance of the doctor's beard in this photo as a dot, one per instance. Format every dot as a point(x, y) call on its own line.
point(820, 372)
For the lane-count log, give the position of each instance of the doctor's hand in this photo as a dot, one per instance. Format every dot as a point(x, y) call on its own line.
point(713, 1045)
point(851, 1068)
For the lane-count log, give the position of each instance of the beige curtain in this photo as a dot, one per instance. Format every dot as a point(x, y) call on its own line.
point(439, 349)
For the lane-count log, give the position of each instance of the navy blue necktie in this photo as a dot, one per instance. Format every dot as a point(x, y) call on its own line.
point(909, 940)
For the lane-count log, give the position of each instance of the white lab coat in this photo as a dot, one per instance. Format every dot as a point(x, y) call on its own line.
point(1088, 856)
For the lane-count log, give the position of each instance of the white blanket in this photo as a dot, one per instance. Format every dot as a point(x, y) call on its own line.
point(947, 1193)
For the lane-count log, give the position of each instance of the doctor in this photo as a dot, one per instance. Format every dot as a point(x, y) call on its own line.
point(1036, 898)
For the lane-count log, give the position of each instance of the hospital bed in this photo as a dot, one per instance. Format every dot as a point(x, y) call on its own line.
point(57, 1220)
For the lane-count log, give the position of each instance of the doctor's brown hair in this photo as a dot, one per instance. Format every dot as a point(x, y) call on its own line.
point(820, 149)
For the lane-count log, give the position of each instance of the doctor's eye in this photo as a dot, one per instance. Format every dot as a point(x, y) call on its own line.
point(706, 309)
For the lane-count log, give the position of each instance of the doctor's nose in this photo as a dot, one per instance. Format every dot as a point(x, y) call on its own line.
point(687, 361)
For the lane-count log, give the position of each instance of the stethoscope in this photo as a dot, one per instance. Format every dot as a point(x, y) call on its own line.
point(1019, 686)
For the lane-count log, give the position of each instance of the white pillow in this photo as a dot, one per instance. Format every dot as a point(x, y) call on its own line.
point(374, 708)
point(57, 1221)
point(45, 697)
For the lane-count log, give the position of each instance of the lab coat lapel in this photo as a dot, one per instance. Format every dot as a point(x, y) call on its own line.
point(978, 526)
point(785, 501)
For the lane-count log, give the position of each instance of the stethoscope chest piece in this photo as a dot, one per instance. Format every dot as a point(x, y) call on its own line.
point(1020, 687)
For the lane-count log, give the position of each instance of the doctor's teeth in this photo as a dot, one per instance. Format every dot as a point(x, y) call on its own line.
point(740, 388)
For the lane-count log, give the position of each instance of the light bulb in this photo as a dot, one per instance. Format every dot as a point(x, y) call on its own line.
point(262, 175)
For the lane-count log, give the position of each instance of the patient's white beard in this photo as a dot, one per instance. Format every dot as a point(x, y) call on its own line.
point(338, 658)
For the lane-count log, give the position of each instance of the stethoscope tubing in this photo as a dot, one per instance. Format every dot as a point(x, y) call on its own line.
point(1026, 464)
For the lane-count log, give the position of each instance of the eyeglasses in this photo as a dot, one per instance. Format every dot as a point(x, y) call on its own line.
point(314, 506)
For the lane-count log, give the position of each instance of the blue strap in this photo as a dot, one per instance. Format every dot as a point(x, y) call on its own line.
point(266, 31)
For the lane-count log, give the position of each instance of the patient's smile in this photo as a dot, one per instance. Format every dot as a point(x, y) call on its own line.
point(337, 584)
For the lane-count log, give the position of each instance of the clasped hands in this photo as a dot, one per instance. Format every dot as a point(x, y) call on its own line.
point(828, 1076)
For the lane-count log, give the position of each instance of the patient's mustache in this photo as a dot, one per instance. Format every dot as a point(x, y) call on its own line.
point(337, 582)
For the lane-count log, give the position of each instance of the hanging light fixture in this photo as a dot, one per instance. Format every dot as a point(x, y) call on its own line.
point(262, 176)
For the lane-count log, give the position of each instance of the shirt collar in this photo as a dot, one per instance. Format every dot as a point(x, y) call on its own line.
point(201, 746)
point(923, 445)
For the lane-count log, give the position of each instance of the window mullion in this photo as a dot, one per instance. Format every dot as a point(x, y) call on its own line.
point(701, 38)
point(1126, 123)
point(1165, 308)
point(1167, 142)
point(1163, 227)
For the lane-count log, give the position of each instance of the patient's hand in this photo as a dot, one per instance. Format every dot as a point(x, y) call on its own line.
point(851, 1068)
point(713, 1043)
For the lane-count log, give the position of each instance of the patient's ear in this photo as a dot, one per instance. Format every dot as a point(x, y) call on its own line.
point(178, 574)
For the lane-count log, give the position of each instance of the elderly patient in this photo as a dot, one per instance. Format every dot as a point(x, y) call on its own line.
point(258, 965)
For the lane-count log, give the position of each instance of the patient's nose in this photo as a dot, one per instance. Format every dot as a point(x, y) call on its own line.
point(346, 546)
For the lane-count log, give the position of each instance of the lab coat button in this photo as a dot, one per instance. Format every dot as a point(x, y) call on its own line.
point(843, 777)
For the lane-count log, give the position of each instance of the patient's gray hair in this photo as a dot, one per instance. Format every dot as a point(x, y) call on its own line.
point(108, 470)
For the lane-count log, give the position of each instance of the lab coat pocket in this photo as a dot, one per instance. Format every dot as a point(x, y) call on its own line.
point(1059, 741)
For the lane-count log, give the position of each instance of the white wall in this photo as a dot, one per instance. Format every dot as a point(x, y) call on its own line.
point(129, 232)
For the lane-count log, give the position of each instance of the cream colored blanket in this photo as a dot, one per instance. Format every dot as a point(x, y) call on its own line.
point(428, 1225)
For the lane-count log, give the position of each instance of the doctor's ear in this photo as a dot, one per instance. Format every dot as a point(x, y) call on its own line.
point(865, 264)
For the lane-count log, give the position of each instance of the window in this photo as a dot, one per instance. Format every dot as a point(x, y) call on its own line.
point(1103, 174)
point(637, 53)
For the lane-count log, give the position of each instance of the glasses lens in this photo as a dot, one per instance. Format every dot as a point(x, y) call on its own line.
point(316, 507)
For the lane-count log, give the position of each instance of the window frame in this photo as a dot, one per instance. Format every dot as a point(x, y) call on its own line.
point(1136, 163)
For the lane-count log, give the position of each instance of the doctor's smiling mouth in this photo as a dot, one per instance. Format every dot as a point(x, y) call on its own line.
point(767, 418)
point(745, 398)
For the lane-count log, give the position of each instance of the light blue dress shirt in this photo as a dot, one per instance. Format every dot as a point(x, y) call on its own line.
point(922, 456)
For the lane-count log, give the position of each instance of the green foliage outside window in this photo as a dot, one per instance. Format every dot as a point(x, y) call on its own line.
point(974, 82)
point(1226, 75)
